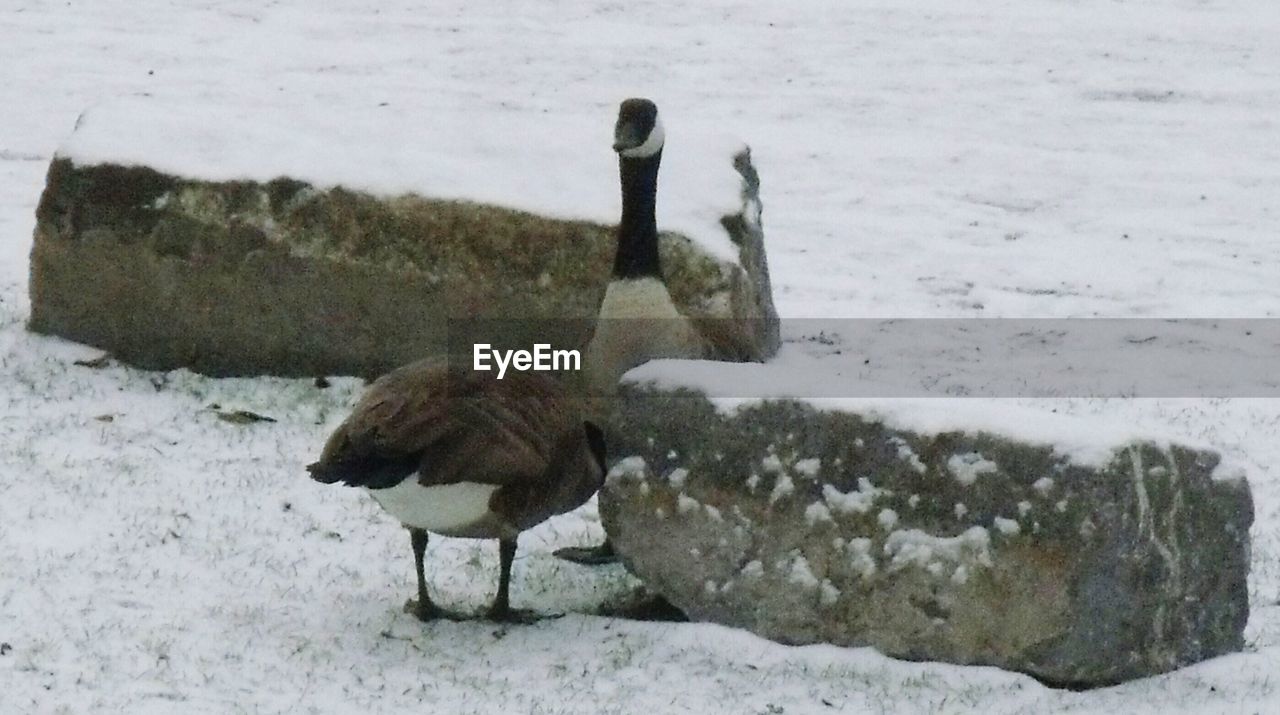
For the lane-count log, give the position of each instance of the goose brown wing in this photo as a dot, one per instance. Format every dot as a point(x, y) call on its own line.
point(503, 433)
point(448, 425)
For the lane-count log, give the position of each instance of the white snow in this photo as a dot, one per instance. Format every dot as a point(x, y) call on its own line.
point(918, 159)
point(913, 547)
point(860, 556)
point(633, 467)
point(553, 164)
point(888, 518)
point(807, 468)
point(966, 468)
point(1086, 442)
point(816, 512)
point(782, 488)
point(1008, 527)
point(687, 505)
point(798, 570)
point(908, 455)
point(858, 501)
point(829, 594)
point(677, 477)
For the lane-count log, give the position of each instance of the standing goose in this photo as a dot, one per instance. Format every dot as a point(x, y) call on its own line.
point(460, 453)
point(638, 319)
point(457, 452)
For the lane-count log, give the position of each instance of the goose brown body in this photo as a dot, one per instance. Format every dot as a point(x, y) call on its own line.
point(433, 425)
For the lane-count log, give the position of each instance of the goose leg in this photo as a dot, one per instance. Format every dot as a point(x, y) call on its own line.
point(501, 609)
point(423, 608)
point(589, 555)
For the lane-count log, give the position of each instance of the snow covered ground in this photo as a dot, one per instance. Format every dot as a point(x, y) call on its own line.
point(920, 158)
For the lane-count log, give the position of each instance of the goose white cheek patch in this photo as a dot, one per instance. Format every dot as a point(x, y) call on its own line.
point(656, 139)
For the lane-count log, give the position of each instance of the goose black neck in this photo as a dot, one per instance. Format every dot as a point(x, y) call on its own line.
point(637, 255)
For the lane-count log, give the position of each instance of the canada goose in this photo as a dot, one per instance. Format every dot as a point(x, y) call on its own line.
point(461, 453)
point(638, 319)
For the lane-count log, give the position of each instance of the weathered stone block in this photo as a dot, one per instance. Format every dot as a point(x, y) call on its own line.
point(287, 277)
point(805, 525)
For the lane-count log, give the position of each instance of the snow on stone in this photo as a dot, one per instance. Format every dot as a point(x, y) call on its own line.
point(888, 518)
point(960, 510)
point(1088, 442)
point(633, 467)
point(858, 501)
point(686, 505)
point(553, 163)
point(799, 571)
point(1023, 508)
point(753, 483)
point(771, 464)
point(966, 468)
point(1231, 468)
point(1087, 527)
point(860, 557)
point(829, 593)
point(907, 454)
point(713, 513)
point(753, 569)
point(783, 487)
point(1008, 527)
point(1043, 486)
point(913, 547)
point(677, 477)
point(817, 512)
point(913, 501)
point(807, 467)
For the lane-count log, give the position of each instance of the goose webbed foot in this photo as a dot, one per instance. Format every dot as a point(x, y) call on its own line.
point(589, 555)
point(517, 616)
point(426, 611)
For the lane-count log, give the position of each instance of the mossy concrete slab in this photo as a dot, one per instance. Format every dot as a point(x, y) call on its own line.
point(805, 526)
point(285, 278)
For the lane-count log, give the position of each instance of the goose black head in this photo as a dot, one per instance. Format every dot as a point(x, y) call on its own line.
point(638, 133)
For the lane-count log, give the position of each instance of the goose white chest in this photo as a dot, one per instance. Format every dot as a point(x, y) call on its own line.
point(444, 509)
